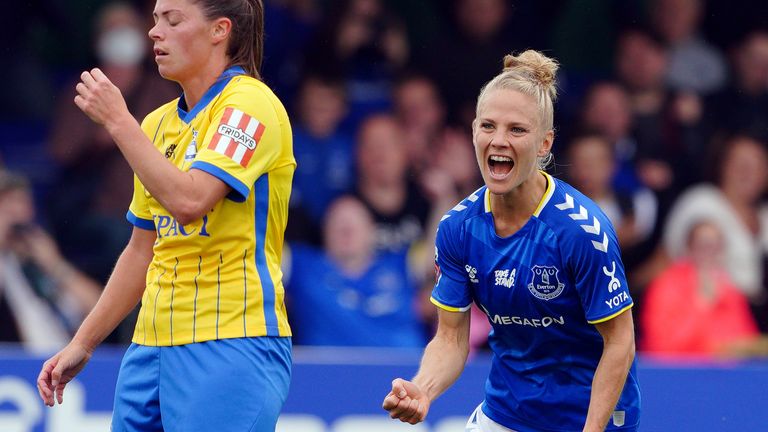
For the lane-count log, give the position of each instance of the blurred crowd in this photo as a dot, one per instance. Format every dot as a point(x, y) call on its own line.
point(663, 121)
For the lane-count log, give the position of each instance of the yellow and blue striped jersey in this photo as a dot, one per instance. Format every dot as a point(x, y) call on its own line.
point(219, 277)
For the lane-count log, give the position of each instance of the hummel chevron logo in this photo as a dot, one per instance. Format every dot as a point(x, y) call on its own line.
point(461, 207)
point(601, 246)
point(568, 204)
point(594, 228)
point(583, 215)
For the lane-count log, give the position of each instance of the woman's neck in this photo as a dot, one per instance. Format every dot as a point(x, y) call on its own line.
point(196, 85)
point(512, 210)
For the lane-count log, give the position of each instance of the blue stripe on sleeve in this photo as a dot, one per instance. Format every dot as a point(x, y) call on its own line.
point(138, 222)
point(239, 190)
point(261, 189)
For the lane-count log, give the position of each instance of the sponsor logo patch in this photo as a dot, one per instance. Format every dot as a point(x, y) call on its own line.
point(237, 136)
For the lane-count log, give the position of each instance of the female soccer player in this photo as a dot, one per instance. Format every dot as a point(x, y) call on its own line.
point(211, 348)
point(542, 261)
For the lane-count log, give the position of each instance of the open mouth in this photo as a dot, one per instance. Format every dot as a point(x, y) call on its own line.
point(500, 166)
point(159, 52)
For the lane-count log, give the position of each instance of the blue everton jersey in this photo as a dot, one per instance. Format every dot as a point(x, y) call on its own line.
point(543, 289)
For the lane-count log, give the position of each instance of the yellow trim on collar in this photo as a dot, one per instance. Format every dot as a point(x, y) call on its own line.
point(547, 194)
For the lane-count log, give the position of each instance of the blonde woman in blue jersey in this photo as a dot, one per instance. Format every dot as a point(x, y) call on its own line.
point(542, 261)
point(211, 348)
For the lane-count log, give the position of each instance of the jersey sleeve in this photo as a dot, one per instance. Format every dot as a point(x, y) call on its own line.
point(451, 291)
point(595, 260)
point(138, 212)
point(243, 141)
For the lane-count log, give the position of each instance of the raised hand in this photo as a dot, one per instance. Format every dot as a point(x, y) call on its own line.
point(99, 99)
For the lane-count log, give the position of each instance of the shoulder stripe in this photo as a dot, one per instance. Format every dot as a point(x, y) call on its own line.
point(449, 308)
point(601, 243)
point(611, 316)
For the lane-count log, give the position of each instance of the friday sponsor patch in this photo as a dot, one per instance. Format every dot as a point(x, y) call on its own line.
point(237, 136)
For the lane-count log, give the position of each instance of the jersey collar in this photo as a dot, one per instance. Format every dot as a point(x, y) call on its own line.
point(544, 199)
point(211, 93)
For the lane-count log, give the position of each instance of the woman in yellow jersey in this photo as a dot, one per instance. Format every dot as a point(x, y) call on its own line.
point(211, 349)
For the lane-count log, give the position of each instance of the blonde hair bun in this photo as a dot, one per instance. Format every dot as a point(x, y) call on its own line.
point(539, 68)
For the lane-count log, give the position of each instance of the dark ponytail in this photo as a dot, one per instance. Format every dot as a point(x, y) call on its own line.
point(246, 40)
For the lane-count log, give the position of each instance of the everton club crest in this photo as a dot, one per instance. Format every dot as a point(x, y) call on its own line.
point(545, 284)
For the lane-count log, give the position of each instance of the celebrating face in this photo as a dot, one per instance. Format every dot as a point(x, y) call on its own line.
point(509, 139)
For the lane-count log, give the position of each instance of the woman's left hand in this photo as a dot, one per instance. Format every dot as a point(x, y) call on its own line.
point(99, 99)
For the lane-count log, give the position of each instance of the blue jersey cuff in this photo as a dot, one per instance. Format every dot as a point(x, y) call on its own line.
point(239, 190)
point(138, 222)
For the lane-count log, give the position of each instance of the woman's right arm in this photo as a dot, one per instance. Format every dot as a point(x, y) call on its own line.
point(442, 363)
point(121, 294)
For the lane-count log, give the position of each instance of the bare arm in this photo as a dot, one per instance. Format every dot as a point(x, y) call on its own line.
point(441, 365)
point(121, 294)
point(618, 352)
point(186, 195)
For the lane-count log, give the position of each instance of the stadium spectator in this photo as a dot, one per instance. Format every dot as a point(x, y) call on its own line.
point(87, 203)
point(290, 25)
point(734, 204)
point(349, 293)
point(512, 247)
point(421, 113)
point(324, 152)
point(479, 36)
point(641, 64)
point(43, 298)
point(213, 180)
point(714, 315)
point(607, 111)
point(400, 209)
point(742, 107)
point(362, 42)
point(694, 65)
point(590, 167)
point(436, 153)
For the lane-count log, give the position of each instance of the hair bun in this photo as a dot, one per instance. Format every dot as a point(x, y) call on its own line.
point(540, 68)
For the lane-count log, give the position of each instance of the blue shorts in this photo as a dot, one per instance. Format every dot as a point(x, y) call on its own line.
point(233, 385)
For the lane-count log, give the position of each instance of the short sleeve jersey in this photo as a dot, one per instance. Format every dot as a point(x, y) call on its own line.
point(543, 289)
point(219, 277)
